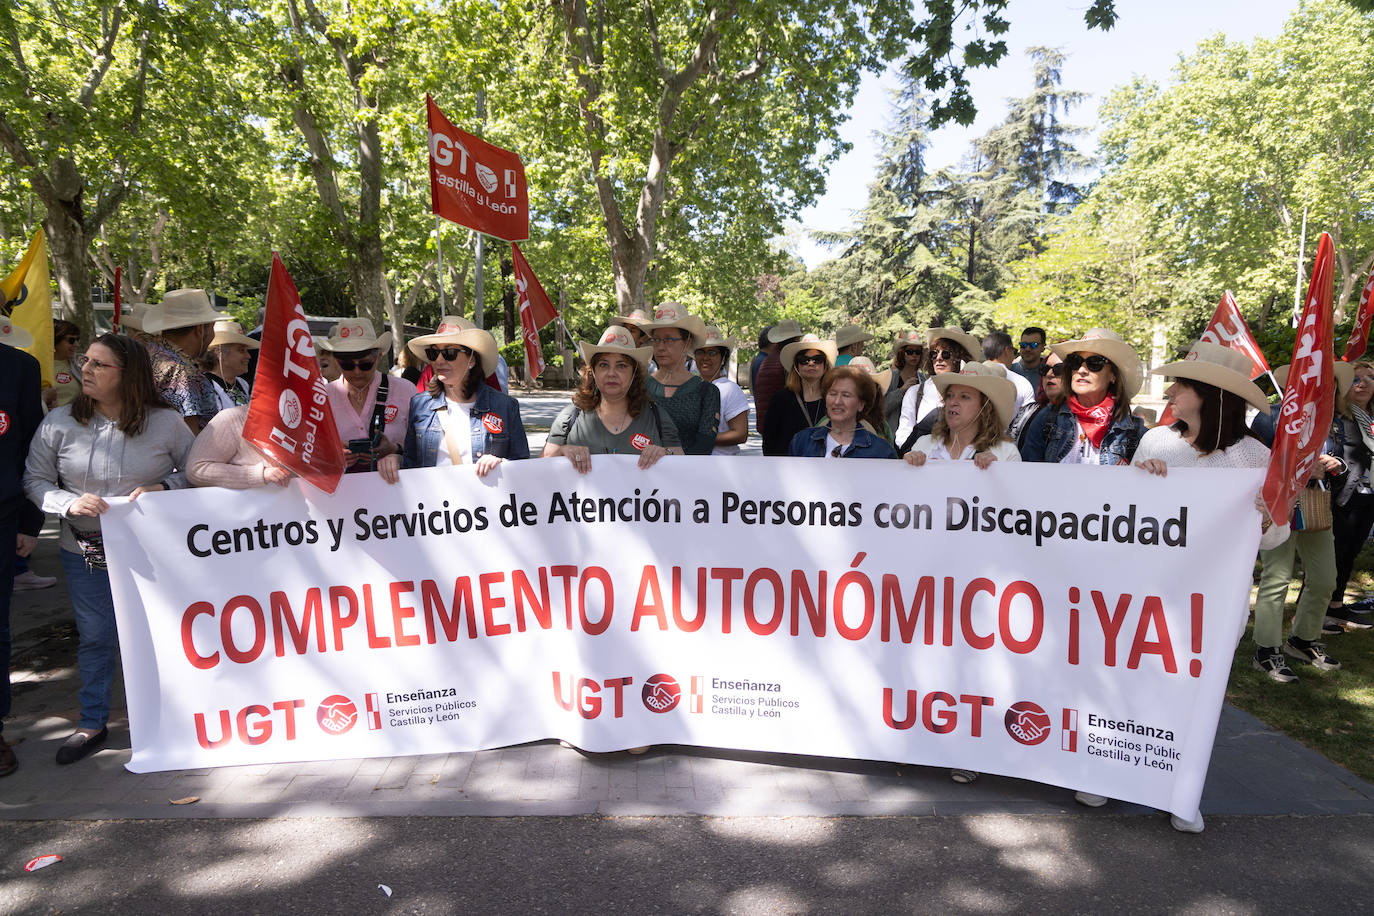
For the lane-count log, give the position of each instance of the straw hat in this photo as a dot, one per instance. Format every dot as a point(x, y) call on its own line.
point(714, 338)
point(228, 331)
point(131, 318)
point(353, 335)
point(14, 335)
point(786, 329)
point(850, 334)
point(180, 308)
point(908, 338)
point(1108, 343)
point(639, 318)
point(1343, 371)
point(615, 340)
point(1220, 366)
point(808, 342)
point(989, 379)
point(864, 363)
point(675, 315)
point(958, 335)
point(457, 331)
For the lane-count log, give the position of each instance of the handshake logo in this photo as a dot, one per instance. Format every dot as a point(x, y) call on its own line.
point(1027, 723)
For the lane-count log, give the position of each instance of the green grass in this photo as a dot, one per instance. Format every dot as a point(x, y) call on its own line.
point(1331, 712)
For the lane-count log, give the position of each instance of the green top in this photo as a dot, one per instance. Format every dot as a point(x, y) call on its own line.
point(584, 427)
point(695, 411)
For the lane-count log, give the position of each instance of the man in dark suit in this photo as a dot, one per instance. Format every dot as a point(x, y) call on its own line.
point(20, 412)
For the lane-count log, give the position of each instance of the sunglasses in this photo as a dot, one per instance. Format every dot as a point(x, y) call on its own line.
point(912, 352)
point(1030, 345)
point(348, 365)
point(71, 340)
point(1056, 369)
point(1073, 362)
point(448, 353)
point(809, 360)
point(946, 355)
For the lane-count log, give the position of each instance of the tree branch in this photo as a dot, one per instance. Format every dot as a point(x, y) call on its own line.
point(651, 24)
point(104, 56)
point(17, 53)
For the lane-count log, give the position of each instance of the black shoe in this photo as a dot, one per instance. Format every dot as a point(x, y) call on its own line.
point(1310, 651)
point(1271, 662)
point(8, 762)
point(79, 745)
point(1365, 604)
point(1349, 617)
point(1332, 628)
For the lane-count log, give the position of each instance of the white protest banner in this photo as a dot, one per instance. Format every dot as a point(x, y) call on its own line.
point(1071, 625)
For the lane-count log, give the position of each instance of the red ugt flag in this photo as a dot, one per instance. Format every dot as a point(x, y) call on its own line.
point(1359, 334)
point(1309, 401)
point(475, 184)
point(289, 419)
point(535, 310)
point(1228, 329)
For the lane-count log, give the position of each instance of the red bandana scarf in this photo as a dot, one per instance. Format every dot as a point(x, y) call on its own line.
point(1094, 420)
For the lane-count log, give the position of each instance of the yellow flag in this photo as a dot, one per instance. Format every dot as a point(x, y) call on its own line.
point(28, 302)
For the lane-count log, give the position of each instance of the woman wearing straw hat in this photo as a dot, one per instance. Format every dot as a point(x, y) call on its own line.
point(459, 418)
point(713, 358)
point(908, 355)
point(693, 404)
point(371, 409)
point(849, 393)
point(227, 360)
point(634, 323)
point(1094, 425)
point(947, 350)
point(611, 412)
point(978, 403)
point(800, 404)
point(117, 438)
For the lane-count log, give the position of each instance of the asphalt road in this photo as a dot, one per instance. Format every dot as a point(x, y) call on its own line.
point(987, 864)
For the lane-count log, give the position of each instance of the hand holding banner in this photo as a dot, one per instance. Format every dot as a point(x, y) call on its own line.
point(475, 184)
point(1309, 401)
point(289, 419)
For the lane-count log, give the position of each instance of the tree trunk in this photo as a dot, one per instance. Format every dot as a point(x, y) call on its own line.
point(68, 246)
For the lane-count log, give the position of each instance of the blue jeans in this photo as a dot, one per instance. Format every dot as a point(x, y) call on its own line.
point(93, 607)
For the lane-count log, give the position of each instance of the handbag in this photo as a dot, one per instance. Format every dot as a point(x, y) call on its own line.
point(1313, 511)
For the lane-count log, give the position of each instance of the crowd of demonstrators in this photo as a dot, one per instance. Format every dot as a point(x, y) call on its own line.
point(611, 412)
point(226, 362)
point(117, 438)
point(1352, 499)
point(850, 393)
point(459, 419)
point(691, 402)
point(371, 409)
point(799, 403)
point(713, 363)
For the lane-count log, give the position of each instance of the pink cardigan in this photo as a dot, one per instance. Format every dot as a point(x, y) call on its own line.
point(221, 457)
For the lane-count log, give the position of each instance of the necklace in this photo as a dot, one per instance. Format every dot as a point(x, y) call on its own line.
point(617, 426)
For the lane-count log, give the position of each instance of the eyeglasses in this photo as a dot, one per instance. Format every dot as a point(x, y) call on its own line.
point(1363, 380)
point(97, 364)
point(1030, 345)
point(348, 365)
point(946, 355)
point(1096, 363)
point(810, 359)
point(671, 338)
point(448, 353)
point(911, 352)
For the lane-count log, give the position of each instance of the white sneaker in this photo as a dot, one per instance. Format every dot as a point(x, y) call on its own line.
point(29, 580)
point(1091, 800)
point(1183, 826)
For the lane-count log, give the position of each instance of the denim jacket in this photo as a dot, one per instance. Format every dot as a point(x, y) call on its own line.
point(810, 443)
point(1054, 430)
point(491, 410)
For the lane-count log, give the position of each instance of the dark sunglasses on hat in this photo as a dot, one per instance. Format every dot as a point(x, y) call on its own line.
point(1095, 363)
point(448, 353)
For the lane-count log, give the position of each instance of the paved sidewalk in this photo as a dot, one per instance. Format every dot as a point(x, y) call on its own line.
point(1255, 770)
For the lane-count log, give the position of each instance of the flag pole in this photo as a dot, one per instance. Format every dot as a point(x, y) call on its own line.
point(1297, 284)
point(439, 246)
point(477, 283)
